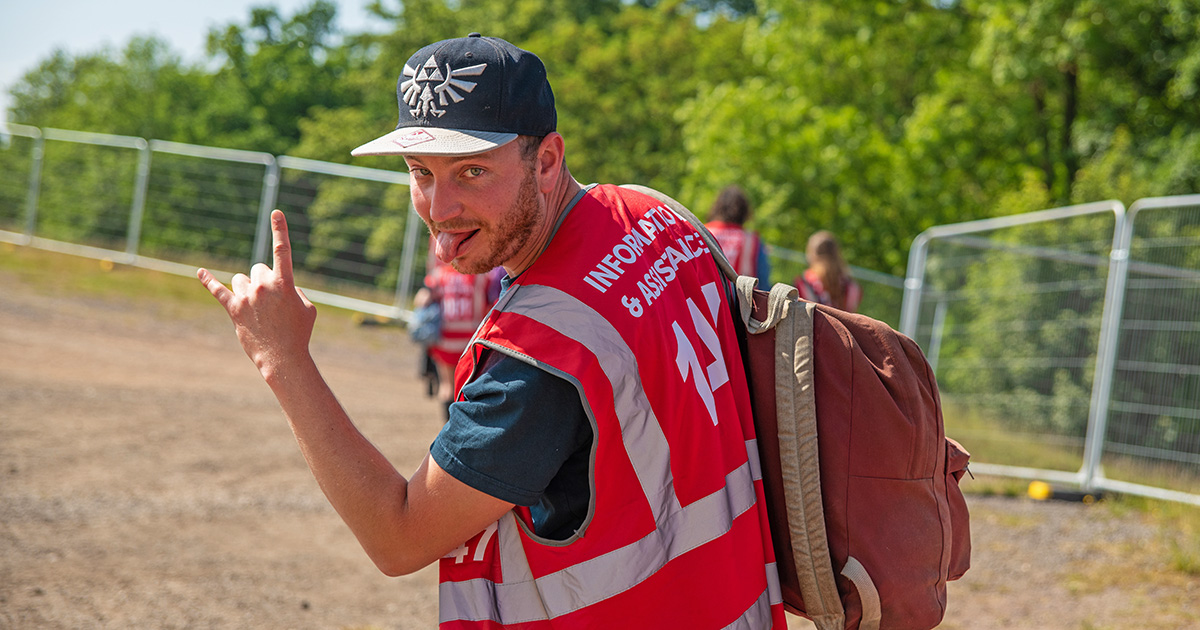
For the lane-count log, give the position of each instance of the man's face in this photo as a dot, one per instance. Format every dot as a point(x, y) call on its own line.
point(481, 209)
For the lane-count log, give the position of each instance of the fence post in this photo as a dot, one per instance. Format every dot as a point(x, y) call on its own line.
point(1106, 350)
point(270, 195)
point(35, 185)
point(404, 286)
point(935, 337)
point(134, 234)
point(910, 308)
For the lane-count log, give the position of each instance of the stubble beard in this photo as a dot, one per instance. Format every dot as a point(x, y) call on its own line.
point(512, 232)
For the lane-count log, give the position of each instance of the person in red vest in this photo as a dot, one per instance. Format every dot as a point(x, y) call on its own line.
point(464, 300)
point(744, 248)
point(827, 279)
point(599, 467)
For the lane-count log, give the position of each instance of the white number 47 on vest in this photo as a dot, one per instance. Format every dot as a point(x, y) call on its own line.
point(460, 552)
point(688, 360)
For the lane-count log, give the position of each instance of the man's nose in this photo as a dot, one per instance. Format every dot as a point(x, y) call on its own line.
point(444, 203)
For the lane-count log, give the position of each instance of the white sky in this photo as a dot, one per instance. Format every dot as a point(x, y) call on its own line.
point(31, 29)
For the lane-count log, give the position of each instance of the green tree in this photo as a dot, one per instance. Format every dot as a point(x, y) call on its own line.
point(814, 127)
point(619, 73)
point(874, 119)
point(1038, 49)
point(144, 91)
point(620, 78)
point(276, 71)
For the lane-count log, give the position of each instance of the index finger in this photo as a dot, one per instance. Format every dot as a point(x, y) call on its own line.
point(282, 246)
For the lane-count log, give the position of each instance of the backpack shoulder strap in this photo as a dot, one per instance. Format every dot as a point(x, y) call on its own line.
point(795, 400)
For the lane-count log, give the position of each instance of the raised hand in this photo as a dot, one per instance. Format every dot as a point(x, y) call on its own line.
point(403, 526)
point(273, 319)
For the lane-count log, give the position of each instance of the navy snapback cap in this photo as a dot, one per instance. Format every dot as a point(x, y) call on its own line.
point(467, 95)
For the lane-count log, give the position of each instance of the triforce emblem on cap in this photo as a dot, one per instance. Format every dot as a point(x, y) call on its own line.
point(420, 89)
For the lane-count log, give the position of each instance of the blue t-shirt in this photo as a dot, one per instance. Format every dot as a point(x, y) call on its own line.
point(521, 435)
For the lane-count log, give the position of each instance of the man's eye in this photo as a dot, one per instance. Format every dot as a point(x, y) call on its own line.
point(475, 171)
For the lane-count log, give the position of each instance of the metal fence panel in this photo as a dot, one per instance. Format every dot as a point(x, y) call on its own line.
point(88, 185)
point(1009, 313)
point(172, 207)
point(1152, 437)
point(347, 226)
point(202, 205)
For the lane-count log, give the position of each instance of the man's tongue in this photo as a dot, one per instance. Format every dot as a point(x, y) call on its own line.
point(449, 244)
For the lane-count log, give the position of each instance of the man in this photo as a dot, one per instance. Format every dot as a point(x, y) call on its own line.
point(744, 249)
point(598, 468)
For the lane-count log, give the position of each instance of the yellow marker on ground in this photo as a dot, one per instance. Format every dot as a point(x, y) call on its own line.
point(1040, 490)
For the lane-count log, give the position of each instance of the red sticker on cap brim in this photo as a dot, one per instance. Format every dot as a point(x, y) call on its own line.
point(413, 138)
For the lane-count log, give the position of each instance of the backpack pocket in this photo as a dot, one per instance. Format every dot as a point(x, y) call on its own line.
point(957, 459)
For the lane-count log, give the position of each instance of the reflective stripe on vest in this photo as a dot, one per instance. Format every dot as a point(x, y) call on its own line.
point(521, 597)
point(525, 607)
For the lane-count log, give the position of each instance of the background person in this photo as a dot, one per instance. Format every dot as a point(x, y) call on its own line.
point(590, 475)
point(465, 299)
point(827, 279)
point(744, 248)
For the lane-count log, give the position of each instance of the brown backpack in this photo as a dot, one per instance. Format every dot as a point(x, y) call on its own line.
point(861, 483)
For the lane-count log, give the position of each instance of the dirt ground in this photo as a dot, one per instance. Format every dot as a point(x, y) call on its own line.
point(149, 480)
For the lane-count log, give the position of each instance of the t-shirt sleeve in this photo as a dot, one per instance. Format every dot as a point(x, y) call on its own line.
point(512, 432)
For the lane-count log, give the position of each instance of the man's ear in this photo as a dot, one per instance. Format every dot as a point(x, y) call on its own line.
point(550, 161)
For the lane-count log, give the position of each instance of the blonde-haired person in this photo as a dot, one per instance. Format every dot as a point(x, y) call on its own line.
point(827, 279)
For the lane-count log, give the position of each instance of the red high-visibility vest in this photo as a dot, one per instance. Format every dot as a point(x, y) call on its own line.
point(627, 304)
point(739, 245)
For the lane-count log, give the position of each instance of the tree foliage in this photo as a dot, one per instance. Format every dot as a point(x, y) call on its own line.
point(143, 90)
point(873, 118)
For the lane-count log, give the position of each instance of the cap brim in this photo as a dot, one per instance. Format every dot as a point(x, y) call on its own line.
point(434, 141)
